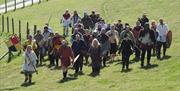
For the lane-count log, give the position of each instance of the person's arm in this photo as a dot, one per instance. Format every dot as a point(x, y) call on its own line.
point(167, 29)
point(121, 47)
point(35, 58)
point(71, 54)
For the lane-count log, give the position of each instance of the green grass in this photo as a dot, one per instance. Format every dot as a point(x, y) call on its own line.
point(3, 1)
point(164, 77)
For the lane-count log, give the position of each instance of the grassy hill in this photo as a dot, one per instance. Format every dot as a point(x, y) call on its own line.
point(163, 76)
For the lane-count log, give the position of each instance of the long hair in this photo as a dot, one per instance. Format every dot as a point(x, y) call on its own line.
point(95, 43)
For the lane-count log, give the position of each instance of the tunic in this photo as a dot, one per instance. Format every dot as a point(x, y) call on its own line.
point(29, 62)
point(95, 54)
point(65, 53)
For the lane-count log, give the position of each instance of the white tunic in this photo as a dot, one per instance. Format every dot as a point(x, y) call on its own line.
point(29, 62)
point(66, 22)
point(162, 32)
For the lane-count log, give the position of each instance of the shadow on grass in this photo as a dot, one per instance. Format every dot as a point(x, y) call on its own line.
point(93, 74)
point(27, 84)
point(123, 71)
point(167, 57)
point(150, 66)
point(9, 89)
point(126, 70)
point(67, 79)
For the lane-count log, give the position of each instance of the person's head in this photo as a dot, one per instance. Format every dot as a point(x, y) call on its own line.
point(64, 43)
point(51, 35)
point(138, 23)
point(112, 27)
point(127, 25)
point(95, 43)
point(108, 25)
point(103, 31)
point(161, 21)
point(46, 28)
point(153, 23)
point(146, 26)
point(29, 48)
point(78, 37)
point(56, 34)
point(99, 26)
point(144, 15)
point(30, 37)
point(119, 21)
point(75, 12)
point(98, 15)
point(85, 14)
point(93, 12)
point(38, 31)
point(46, 24)
point(67, 11)
point(79, 26)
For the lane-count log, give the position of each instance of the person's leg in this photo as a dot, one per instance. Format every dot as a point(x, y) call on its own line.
point(127, 61)
point(142, 56)
point(104, 61)
point(65, 70)
point(37, 54)
point(80, 62)
point(164, 49)
point(149, 56)
point(123, 61)
point(30, 77)
point(41, 55)
point(57, 61)
point(64, 29)
point(26, 77)
point(76, 66)
point(86, 58)
point(137, 53)
point(159, 44)
point(67, 31)
point(50, 59)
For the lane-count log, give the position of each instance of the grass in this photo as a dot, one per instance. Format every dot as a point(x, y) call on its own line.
point(3, 1)
point(163, 76)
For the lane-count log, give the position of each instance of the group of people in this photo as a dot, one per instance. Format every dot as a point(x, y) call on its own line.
point(92, 37)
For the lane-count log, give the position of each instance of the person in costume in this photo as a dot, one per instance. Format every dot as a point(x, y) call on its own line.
point(39, 40)
point(162, 30)
point(66, 20)
point(51, 50)
point(29, 65)
point(126, 50)
point(95, 54)
point(87, 21)
point(144, 20)
point(147, 40)
point(78, 47)
point(136, 31)
point(105, 46)
point(65, 54)
point(57, 39)
point(30, 41)
point(114, 40)
point(153, 27)
point(75, 19)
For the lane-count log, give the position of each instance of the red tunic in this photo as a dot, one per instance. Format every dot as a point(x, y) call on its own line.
point(15, 40)
point(66, 16)
point(65, 53)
